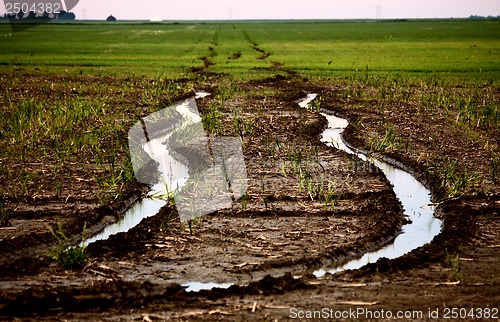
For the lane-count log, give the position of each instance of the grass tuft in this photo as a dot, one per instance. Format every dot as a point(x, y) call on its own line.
point(66, 255)
point(389, 143)
point(452, 179)
point(495, 168)
point(455, 267)
point(4, 215)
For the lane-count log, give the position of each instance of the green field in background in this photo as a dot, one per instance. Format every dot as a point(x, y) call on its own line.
point(447, 48)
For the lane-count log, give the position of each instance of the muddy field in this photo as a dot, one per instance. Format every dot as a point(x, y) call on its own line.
point(278, 231)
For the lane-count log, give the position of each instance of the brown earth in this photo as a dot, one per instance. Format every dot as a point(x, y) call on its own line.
point(278, 232)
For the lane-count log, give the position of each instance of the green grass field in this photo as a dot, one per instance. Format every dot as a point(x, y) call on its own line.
point(463, 49)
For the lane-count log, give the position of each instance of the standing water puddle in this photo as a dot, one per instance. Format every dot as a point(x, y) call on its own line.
point(414, 197)
point(176, 172)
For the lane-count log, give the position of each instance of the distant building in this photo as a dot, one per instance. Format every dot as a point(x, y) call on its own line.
point(155, 19)
point(110, 18)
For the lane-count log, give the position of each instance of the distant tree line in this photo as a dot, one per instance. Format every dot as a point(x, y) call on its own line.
point(32, 16)
point(476, 17)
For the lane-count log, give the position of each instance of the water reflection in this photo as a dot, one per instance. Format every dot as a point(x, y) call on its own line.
point(414, 197)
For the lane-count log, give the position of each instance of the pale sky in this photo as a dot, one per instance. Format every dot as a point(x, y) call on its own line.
point(282, 9)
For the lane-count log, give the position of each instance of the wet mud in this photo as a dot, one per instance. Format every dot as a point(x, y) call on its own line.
point(278, 231)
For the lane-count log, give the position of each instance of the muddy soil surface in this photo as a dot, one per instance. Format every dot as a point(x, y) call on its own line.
point(279, 230)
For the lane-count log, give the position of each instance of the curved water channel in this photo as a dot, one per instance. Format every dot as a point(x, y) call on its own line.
point(414, 196)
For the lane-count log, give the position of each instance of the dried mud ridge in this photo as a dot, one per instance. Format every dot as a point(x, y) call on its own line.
point(279, 230)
